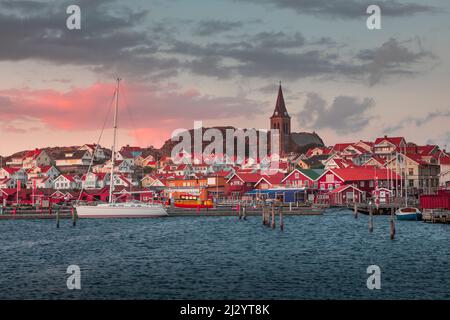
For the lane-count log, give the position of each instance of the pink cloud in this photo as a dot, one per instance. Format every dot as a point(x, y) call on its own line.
point(142, 107)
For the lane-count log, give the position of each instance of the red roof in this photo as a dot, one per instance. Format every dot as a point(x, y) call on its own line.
point(394, 140)
point(341, 146)
point(444, 160)
point(32, 154)
point(364, 174)
point(68, 177)
point(10, 170)
point(273, 179)
point(417, 158)
point(344, 187)
point(247, 177)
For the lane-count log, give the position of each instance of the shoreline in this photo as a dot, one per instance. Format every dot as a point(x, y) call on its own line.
point(172, 212)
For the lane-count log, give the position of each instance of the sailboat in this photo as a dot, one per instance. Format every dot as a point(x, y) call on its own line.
point(133, 209)
point(407, 213)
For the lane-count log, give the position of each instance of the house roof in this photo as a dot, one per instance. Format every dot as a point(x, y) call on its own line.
point(339, 147)
point(364, 173)
point(312, 174)
point(444, 160)
point(32, 154)
point(246, 177)
point(77, 154)
point(272, 179)
point(394, 140)
point(345, 187)
point(11, 170)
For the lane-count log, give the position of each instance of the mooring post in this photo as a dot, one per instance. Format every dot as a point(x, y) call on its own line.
point(392, 224)
point(355, 209)
point(273, 216)
point(370, 218)
point(74, 216)
point(244, 214)
point(263, 207)
point(57, 219)
point(281, 219)
point(239, 211)
point(290, 206)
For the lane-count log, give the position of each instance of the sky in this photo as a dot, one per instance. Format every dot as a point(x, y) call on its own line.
point(220, 62)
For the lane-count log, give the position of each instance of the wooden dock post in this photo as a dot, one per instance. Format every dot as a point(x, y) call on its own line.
point(244, 214)
point(355, 209)
point(370, 218)
point(74, 216)
point(263, 207)
point(57, 219)
point(392, 224)
point(239, 210)
point(273, 216)
point(281, 219)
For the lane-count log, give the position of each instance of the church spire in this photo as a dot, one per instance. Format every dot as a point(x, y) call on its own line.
point(280, 107)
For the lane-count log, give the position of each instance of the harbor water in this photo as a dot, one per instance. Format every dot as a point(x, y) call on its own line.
point(316, 257)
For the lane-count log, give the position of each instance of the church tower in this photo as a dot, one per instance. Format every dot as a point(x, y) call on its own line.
point(282, 121)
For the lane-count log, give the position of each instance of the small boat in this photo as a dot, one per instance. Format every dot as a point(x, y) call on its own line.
point(192, 202)
point(409, 213)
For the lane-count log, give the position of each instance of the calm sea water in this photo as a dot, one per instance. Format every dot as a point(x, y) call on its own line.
point(316, 257)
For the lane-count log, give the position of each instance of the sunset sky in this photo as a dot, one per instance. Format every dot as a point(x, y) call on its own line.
point(220, 61)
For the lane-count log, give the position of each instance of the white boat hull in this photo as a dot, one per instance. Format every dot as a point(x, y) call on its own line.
point(119, 211)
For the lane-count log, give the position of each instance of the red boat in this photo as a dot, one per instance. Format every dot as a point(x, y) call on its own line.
point(192, 202)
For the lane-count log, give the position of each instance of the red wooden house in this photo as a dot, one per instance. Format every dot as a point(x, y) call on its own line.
point(305, 178)
point(240, 183)
point(346, 194)
point(364, 178)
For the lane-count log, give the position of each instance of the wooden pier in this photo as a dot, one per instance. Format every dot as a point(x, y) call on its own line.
point(222, 211)
point(436, 216)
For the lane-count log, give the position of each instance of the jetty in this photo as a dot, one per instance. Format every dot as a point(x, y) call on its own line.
point(436, 216)
point(66, 212)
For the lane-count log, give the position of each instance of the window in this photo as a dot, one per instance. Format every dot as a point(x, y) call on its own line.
point(330, 187)
point(322, 186)
point(411, 171)
point(371, 183)
point(411, 183)
point(306, 183)
point(361, 184)
point(297, 175)
point(329, 178)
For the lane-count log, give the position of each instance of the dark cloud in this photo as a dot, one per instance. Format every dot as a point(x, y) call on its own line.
point(110, 40)
point(118, 40)
point(346, 9)
point(417, 121)
point(211, 27)
point(391, 58)
point(345, 115)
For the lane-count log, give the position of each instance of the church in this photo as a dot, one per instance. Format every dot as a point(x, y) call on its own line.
point(291, 142)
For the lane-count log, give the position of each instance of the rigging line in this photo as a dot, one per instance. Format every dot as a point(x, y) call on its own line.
point(99, 138)
point(133, 124)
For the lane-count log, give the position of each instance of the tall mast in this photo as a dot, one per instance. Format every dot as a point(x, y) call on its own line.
point(113, 155)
